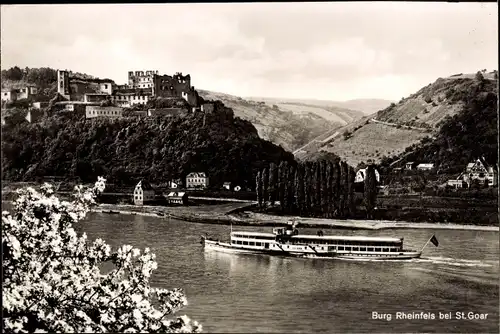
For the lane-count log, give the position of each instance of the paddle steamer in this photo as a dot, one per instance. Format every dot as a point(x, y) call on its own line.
point(286, 241)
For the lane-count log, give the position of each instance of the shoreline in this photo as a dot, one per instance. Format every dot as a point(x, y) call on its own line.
point(258, 219)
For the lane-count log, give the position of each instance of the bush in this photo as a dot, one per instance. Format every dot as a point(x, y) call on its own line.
point(479, 76)
point(52, 280)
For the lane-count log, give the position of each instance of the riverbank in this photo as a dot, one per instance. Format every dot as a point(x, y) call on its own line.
point(224, 214)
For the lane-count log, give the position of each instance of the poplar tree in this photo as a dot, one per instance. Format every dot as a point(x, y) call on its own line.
point(324, 187)
point(265, 186)
point(336, 189)
point(350, 194)
point(299, 188)
point(307, 188)
point(343, 173)
point(273, 178)
point(290, 189)
point(370, 195)
point(318, 187)
point(258, 188)
point(328, 189)
point(283, 169)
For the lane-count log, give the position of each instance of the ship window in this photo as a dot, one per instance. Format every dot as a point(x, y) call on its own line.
point(355, 249)
point(341, 248)
point(251, 243)
point(370, 249)
point(245, 242)
point(258, 244)
point(393, 249)
point(233, 241)
point(363, 249)
point(386, 249)
point(348, 249)
point(238, 242)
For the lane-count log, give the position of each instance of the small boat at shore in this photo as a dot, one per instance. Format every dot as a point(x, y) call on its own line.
point(286, 241)
point(111, 212)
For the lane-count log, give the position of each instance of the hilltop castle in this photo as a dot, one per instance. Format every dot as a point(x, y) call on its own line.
point(142, 86)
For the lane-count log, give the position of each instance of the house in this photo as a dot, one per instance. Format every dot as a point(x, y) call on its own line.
point(458, 183)
point(207, 108)
point(361, 174)
point(177, 198)
point(165, 112)
point(410, 165)
point(9, 95)
point(40, 105)
point(481, 171)
point(34, 115)
point(174, 184)
point(109, 112)
point(196, 180)
point(143, 193)
point(227, 185)
point(425, 166)
point(26, 92)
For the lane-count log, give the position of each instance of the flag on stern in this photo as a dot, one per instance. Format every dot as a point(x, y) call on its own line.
point(435, 241)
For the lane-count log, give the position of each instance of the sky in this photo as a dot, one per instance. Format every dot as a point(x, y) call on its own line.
point(329, 51)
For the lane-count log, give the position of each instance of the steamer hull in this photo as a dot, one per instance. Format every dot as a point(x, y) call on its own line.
point(307, 246)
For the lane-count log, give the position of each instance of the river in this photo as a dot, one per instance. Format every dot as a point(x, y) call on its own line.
point(258, 293)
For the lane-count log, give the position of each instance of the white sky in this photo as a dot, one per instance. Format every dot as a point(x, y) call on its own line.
point(331, 51)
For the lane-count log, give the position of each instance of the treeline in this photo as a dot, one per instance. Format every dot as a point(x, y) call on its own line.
point(322, 188)
point(43, 77)
point(128, 149)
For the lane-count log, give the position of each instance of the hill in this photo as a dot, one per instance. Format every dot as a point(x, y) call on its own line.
point(290, 126)
point(393, 130)
point(356, 106)
point(125, 150)
point(367, 106)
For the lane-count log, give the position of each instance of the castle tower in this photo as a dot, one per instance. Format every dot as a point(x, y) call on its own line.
point(63, 83)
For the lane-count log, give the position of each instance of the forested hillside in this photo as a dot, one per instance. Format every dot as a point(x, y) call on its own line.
point(127, 149)
point(456, 113)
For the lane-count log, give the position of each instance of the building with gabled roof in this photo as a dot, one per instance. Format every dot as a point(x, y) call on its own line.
point(481, 171)
point(143, 193)
point(197, 180)
point(177, 198)
point(361, 175)
point(425, 166)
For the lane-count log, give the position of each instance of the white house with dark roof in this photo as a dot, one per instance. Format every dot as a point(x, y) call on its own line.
point(174, 184)
point(143, 193)
point(480, 170)
point(425, 166)
point(197, 180)
point(177, 198)
point(361, 174)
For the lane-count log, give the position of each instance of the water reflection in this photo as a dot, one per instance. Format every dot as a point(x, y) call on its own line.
point(261, 293)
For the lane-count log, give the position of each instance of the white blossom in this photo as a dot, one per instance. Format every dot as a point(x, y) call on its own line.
point(53, 274)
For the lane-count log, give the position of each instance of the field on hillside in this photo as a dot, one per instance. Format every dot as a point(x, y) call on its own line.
point(362, 106)
point(303, 109)
point(373, 141)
